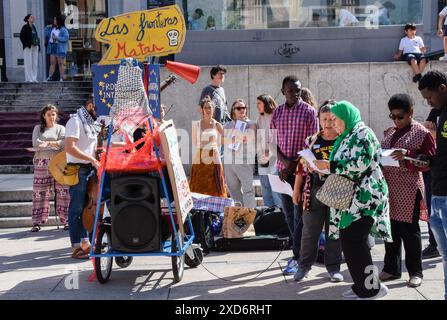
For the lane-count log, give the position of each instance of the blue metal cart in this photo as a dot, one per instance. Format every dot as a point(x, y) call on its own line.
point(180, 247)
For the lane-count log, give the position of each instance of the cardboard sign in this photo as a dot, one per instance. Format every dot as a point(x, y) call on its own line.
point(154, 89)
point(177, 175)
point(140, 34)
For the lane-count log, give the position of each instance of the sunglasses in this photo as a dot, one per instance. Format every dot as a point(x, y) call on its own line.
point(394, 117)
point(240, 108)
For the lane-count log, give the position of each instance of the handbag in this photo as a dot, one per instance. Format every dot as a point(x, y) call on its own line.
point(337, 192)
point(237, 222)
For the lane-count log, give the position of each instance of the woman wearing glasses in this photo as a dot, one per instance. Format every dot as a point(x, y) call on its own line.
point(240, 148)
point(406, 189)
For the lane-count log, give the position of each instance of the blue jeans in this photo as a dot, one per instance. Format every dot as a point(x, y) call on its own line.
point(438, 224)
point(270, 198)
point(78, 199)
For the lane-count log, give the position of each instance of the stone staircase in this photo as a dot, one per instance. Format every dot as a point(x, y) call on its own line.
point(16, 204)
point(20, 104)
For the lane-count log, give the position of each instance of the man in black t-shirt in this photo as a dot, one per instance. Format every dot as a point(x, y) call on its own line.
point(433, 87)
point(431, 251)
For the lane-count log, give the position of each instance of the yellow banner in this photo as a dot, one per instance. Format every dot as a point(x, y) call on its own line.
point(141, 34)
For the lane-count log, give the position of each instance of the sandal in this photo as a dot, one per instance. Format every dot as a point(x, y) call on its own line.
point(78, 253)
point(35, 228)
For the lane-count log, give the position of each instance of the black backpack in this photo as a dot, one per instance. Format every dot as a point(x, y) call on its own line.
point(271, 221)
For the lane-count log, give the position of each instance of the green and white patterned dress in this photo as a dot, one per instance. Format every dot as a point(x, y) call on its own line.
point(358, 157)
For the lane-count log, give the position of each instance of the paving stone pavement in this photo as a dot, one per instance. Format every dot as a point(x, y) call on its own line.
point(39, 266)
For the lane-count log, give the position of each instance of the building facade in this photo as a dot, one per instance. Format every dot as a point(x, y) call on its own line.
point(234, 32)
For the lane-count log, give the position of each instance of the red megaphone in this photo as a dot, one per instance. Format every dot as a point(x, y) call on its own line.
point(189, 72)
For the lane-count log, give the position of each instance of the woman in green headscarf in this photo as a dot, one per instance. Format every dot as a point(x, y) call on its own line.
point(356, 155)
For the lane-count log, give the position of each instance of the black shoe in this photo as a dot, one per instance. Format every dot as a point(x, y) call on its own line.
point(417, 77)
point(430, 252)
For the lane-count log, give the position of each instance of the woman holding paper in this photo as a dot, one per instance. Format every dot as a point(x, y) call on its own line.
point(356, 155)
point(207, 176)
point(316, 214)
point(240, 149)
point(411, 140)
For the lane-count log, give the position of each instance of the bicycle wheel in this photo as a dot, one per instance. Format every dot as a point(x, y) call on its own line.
point(103, 265)
point(178, 263)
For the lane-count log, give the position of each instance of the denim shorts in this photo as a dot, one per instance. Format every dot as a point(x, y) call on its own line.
point(53, 51)
point(52, 48)
point(410, 56)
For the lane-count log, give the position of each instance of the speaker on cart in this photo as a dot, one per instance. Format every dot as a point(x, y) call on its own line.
point(136, 213)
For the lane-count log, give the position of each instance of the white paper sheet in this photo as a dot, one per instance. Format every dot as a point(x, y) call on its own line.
point(308, 155)
point(279, 186)
point(240, 126)
point(387, 160)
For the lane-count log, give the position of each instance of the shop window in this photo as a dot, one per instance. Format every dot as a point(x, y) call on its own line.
point(265, 14)
point(82, 18)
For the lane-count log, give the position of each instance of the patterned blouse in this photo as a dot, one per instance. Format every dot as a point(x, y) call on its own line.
point(358, 158)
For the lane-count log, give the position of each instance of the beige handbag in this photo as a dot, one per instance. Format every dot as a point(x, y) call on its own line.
point(237, 222)
point(337, 192)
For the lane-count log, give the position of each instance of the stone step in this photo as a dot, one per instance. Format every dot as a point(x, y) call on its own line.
point(43, 96)
point(16, 196)
point(25, 222)
point(45, 84)
point(10, 169)
point(19, 209)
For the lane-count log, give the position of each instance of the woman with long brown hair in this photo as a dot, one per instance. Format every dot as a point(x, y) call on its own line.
point(265, 148)
point(48, 140)
point(207, 172)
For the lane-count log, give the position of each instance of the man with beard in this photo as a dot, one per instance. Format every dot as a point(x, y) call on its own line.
point(80, 145)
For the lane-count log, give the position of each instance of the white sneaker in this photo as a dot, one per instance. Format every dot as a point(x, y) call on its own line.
point(61, 80)
point(382, 293)
point(415, 282)
point(444, 58)
point(336, 276)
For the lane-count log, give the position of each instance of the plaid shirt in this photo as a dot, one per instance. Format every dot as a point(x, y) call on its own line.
point(293, 126)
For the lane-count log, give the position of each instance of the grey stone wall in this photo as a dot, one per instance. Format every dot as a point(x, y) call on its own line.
point(367, 85)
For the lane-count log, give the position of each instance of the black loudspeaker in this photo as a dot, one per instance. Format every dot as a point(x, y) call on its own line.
point(136, 213)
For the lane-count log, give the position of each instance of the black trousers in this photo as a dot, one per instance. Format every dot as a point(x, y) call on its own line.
point(354, 242)
point(313, 223)
point(410, 235)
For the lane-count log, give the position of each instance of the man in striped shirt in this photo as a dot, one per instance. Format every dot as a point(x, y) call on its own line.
point(293, 122)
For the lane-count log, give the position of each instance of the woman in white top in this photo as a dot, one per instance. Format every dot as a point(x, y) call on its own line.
point(239, 156)
point(265, 150)
point(207, 172)
point(48, 140)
